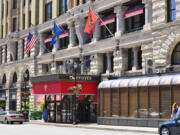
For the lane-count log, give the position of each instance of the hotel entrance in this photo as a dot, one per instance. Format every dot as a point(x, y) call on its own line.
point(61, 111)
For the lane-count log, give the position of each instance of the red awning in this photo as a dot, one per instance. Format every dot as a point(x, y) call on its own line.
point(62, 87)
point(132, 11)
point(58, 97)
point(108, 19)
point(40, 99)
point(60, 36)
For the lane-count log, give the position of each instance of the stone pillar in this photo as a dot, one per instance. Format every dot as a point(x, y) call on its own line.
point(64, 66)
point(55, 5)
point(71, 34)
point(20, 49)
point(1, 19)
point(5, 20)
point(120, 26)
point(27, 14)
point(119, 64)
point(53, 66)
point(42, 47)
point(41, 11)
point(3, 53)
point(96, 65)
point(148, 14)
point(25, 54)
point(18, 98)
point(108, 70)
point(96, 34)
point(34, 10)
point(135, 62)
point(21, 14)
point(79, 25)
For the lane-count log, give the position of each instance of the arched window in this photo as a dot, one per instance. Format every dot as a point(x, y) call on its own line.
point(14, 78)
point(175, 58)
point(4, 79)
point(26, 76)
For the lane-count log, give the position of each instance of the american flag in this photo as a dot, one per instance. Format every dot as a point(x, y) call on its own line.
point(31, 41)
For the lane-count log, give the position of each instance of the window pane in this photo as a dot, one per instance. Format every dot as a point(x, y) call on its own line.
point(153, 102)
point(123, 102)
point(132, 102)
point(143, 112)
point(101, 102)
point(115, 103)
point(107, 103)
point(165, 105)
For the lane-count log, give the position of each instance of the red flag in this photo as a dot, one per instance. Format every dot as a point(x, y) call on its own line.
point(91, 23)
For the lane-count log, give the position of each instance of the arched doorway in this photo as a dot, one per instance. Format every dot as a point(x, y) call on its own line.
point(3, 93)
point(13, 93)
point(175, 57)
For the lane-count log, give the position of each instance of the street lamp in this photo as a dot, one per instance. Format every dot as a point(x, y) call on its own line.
point(75, 66)
point(25, 95)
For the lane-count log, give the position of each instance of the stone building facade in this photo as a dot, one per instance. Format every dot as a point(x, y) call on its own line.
point(137, 34)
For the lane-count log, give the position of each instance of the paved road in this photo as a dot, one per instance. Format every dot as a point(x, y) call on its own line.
point(32, 129)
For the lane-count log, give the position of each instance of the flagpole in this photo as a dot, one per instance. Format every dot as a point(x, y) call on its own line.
point(106, 26)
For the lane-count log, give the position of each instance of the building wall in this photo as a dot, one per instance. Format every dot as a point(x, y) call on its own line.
point(156, 40)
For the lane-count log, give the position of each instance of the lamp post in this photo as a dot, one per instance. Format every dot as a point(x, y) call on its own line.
point(24, 97)
point(75, 66)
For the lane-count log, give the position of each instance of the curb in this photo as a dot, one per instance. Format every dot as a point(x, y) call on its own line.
point(93, 127)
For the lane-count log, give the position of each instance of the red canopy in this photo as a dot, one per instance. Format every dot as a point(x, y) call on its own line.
point(62, 87)
point(132, 11)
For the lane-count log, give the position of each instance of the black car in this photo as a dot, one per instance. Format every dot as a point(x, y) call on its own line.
point(170, 127)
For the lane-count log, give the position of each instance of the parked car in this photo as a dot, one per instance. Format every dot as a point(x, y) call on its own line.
point(10, 117)
point(170, 127)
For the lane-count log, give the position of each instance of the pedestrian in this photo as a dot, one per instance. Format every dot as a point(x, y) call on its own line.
point(174, 111)
point(45, 114)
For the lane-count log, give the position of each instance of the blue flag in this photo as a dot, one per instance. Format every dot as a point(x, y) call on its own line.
point(56, 32)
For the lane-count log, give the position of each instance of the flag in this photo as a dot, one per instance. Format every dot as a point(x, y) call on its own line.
point(91, 23)
point(56, 32)
point(31, 41)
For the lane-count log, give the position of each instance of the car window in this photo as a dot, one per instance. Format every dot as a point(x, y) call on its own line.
point(14, 112)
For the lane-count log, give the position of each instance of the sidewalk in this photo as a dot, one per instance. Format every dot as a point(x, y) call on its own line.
point(100, 127)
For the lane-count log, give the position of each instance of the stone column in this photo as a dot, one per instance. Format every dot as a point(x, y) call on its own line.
point(135, 62)
point(108, 70)
point(79, 25)
point(96, 34)
point(3, 53)
point(55, 5)
point(64, 66)
point(71, 34)
point(21, 15)
point(148, 14)
point(25, 54)
point(27, 14)
point(5, 20)
point(41, 11)
point(34, 10)
point(120, 26)
point(42, 48)
point(18, 98)
point(20, 49)
point(1, 19)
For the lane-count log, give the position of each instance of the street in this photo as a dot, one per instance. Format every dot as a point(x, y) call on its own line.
point(35, 129)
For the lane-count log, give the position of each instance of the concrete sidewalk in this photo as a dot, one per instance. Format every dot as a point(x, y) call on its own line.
point(100, 127)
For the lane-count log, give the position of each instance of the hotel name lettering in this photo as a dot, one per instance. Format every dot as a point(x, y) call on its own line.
point(84, 78)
